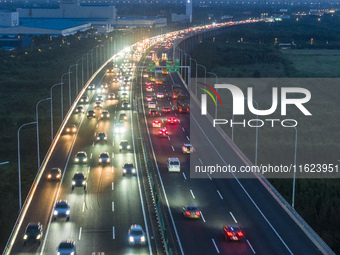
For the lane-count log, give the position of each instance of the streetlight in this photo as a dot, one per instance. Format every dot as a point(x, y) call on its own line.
point(37, 118)
point(87, 66)
point(69, 84)
point(205, 73)
point(19, 170)
point(58, 84)
point(293, 192)
point(82, 77)
point(216, 91)
point(62, 97)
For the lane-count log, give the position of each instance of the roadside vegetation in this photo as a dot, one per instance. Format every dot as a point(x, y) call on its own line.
point(253, 51)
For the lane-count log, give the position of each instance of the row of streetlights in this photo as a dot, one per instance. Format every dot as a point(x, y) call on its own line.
point(232, 131)
point(62, 107)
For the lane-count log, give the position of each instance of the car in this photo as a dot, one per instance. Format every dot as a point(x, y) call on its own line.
point(148, 98)
point(156, 123)
point(105, 85)
point(119, 128)
point(101, 90)
point(115, 79)
point(102, 137)
point(128, 168)
point(71, 129)
point(79, 180)
point(100, 98)
point(148, 83)
point(149, 89)
point(163, 132)
point(104, 158)
point(105, 114)
point(158, 82)
point(98, 104)
point(124, 145)
point(61, 210)
point(81, 157)
point(125, 104)
point(192, 212)
point(166, 110)
point(124, 87)
point(145, 75)
point(172, 120)
point(54, 174)
point(111, 96)
point(91, 114)
point(123, 117)
point(173, 165)
point(187, 148)
point(232, 233)
point(124, 95)
point(151, 105)
point(160, 95)
point(67, 247)
point(92, 86)
point(136, 235)
point(153, 113)
point(79, 109)
point(84, 99)
point(33, 232)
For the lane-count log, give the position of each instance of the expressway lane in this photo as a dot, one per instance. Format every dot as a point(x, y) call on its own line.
point(100, 216)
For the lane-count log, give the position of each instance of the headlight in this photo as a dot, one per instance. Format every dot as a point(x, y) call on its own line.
point(108, 115)
point(38, 236)
point(49, 176)
point(128, 105)
point(67, 212)
point(55, 213)
point(74, 130)
point(102, 115)
point(84, 182)
point(108, 160)
point(120, 147)
point(72, 253)
point(100, 160)
point(85, 159)
point(25, 237)
point(131, 239)
point(58, 176)
point(73, 182)
point(133, 170)
point(124, 171)
point(67, 130)
point(77, 159)
point(98, 138)
point(128, 147)
point(142, 239)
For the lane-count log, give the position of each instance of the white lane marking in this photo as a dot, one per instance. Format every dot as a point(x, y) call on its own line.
point(200, 160)
point(91, 156)
point(243, 188)
point(219, 194)
point(202, 216)
point(183, 129)
point(251, 247)
point(233, 217)
point(188, 138)
point(184, 176)
point(95, 133)
point(170, 102)
point(92, 144)
point(192, 194)
point(88, 169)
point(113, 155)
point(169, 138)
point(80, 232)
point(162, 121)
point(113, 143)
point(83, 207)
point(113, 231)
point(218, 251)
point(97, 126)
point(113, 206)
point(112, 169)
point(173, 148)
point(179, 121)
point(175, 114)
point(209, 176)
point(113, 185)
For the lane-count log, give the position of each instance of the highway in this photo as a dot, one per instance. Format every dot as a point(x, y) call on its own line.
point(101, 215)
point(267, 227)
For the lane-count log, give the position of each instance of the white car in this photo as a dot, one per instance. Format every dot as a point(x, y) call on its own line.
point(119, 128)
point(173, 165)
point(136, 235)
point(61, 210)
point(151, 105)
point(67, 247)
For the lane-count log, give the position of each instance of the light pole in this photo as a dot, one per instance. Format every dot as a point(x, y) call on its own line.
point(69, 84)
point(37, 121)
point(87, 72)
point(294, 174)
point(58, 84)
point(205, 73)
point(77, 74)
point(92, 59)
point(215, 95)
point(256, 132)
point(62, 97)
point(19, 165)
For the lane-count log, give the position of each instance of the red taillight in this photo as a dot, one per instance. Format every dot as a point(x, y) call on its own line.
point(198, 213)
point(180, 109)
point(187, 110)
point(160, 132)
point(229, 233)
point(169, 120)
point(175, 120)
point(166, 133)
point(240, 234)
point(187, 213)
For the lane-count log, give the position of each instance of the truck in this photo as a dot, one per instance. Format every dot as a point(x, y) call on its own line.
point(176, 90)
point(183, 104)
